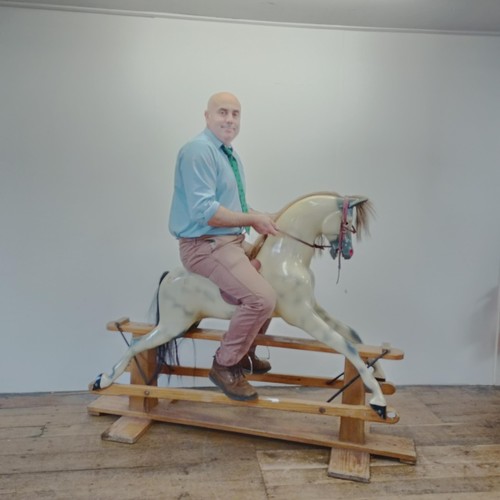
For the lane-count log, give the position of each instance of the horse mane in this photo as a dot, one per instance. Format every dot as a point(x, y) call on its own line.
point(363, 213)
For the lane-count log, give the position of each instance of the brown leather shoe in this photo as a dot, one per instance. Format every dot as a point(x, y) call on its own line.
point(252, 364)
point(232, 382)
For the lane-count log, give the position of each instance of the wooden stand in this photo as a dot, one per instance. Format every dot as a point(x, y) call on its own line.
point(299, 420)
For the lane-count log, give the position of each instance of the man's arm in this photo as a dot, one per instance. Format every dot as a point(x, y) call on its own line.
point(262, 223)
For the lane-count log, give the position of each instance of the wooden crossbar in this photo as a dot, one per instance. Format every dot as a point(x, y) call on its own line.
point(284, 404)
point(388, 388)
point(364, 351)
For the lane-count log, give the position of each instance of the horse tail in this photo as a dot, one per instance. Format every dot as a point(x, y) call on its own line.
point(157, 299)
point(167, 353)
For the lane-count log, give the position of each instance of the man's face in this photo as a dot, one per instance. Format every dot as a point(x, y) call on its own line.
point(223, 117)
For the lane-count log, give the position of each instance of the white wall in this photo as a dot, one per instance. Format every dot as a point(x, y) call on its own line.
point(94, 107)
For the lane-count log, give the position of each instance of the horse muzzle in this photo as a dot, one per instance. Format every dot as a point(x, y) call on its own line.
point(345, 249)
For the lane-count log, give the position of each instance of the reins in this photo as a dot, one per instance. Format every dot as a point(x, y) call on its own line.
point(312, 245)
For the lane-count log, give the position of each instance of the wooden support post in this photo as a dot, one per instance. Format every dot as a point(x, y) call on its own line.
point(351, 464)
point(129, 429)
point(352, 429)
point(147, 363)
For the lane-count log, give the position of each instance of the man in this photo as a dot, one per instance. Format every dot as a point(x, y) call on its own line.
point(209, 216)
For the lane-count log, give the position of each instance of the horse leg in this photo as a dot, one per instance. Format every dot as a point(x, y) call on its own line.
point(308, 320)
point(349, 334)
point(160, 335)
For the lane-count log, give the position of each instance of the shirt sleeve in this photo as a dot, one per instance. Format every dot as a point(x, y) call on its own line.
point(198, 170)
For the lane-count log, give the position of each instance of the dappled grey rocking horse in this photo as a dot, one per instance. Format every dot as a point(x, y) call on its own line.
point(185, 298)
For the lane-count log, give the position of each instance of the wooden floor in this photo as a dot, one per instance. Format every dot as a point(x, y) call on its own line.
point(51, 448)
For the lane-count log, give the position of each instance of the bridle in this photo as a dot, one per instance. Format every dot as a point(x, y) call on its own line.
point(345, 228)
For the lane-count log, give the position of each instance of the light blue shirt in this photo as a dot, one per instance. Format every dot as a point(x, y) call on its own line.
point(203, 182)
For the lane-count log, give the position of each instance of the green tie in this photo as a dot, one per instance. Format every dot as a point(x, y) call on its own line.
point(236, 171)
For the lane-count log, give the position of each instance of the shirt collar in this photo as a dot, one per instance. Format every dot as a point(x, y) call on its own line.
point(211, 136)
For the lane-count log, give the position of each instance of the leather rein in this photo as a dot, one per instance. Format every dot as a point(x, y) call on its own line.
point(311, 245)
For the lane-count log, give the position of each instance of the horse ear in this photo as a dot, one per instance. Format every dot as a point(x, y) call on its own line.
point(357, 201)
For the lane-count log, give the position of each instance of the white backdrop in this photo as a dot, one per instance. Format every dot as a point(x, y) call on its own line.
point(94, 107)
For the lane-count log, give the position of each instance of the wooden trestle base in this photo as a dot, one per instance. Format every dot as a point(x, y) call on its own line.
point(290, 419)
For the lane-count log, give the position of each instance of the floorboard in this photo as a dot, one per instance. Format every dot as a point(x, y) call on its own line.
point(50, 447)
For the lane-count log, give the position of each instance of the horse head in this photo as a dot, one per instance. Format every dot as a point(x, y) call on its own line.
point(321, 216)
point(339, 227)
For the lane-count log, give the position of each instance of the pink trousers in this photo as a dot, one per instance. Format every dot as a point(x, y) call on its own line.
point(222, 260)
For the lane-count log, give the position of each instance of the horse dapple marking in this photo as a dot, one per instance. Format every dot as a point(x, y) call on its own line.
point(185, 298)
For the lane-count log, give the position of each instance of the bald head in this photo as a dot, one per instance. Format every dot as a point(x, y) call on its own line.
point(223, 116)
point(221, 98)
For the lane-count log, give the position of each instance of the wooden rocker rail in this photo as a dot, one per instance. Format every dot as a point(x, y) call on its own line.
point(139, 405)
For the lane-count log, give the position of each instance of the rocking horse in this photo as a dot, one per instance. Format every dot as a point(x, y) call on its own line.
point(311, 223)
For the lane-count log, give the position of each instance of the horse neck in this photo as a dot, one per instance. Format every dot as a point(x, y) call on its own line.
point(304, 220)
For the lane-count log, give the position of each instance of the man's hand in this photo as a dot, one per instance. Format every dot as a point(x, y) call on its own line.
point(264, 224)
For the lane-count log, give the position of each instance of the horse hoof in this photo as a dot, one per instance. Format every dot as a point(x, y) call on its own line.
point(380, 410)
point(96, 386)
point(380, 379)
